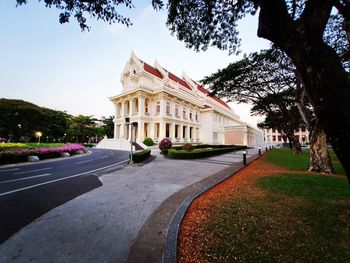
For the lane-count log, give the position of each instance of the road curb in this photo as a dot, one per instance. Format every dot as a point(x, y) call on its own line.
point(171, 240)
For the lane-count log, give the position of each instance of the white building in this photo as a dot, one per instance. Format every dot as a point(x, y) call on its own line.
point(274, 136)
point(167, 106)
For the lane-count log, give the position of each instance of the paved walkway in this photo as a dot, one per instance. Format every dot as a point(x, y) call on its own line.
point(102, 225)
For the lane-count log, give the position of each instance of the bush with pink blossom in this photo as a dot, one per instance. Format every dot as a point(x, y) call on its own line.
point(164, 145)
point(21, 155)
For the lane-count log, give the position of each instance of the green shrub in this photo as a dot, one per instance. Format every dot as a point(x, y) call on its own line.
point(140, 156)
point(148, 142)
point(198, 153)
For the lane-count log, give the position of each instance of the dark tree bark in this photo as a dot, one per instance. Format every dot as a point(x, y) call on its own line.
point(296, 147)
point(325, 80)
point(320, 160)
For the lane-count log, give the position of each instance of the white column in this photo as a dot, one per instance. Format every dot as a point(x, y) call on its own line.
point(141, 128)
point(131, 107)
point(115, 128)
point(151, 130)
point(172, 131)
point(141, 106)
point(122, 111)
point(180, 132)
point(162, 130)
point(122, 131)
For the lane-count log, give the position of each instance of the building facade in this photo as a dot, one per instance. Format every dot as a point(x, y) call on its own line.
point(274, 136)
point(167, 106)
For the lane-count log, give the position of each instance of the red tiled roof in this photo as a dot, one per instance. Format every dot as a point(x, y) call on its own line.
point(203, 90)
point(152, 70)
point(178, 80)
point(221, 102)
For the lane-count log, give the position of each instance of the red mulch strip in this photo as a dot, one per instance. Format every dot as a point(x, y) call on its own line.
point(190, 249)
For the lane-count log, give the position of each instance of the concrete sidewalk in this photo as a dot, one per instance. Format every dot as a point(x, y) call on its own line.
point(102, 225)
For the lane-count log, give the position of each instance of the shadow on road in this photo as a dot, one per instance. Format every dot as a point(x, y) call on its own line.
point(21, 208)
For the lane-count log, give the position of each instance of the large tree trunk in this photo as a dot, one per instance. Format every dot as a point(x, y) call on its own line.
point(320, 160)
point(296, 147)
point(326, 82)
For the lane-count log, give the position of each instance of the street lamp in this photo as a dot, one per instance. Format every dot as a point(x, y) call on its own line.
point(38, 134)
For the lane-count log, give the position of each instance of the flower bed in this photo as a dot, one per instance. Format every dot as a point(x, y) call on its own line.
point(21, 155)
point(13, 146)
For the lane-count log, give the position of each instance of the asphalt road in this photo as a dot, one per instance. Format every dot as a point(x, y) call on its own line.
point(19, 178)
point(29, 191)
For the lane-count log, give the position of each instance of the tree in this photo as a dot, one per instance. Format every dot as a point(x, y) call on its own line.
point(258, 79)
point(108, 126)
point(105, 10)
point(269, 81)
point(81, 128)
point(19, 118)
point(298, 28)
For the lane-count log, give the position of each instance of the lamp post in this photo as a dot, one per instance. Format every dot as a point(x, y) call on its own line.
point(244, 158)
point(259, 150)
point(38, 134)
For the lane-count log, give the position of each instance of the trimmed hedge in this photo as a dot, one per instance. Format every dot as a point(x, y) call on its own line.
point(140, 156)
point(201, 153)
point(148, 141)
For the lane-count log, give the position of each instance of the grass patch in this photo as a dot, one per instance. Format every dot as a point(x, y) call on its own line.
point(313, 187)
point(284, 157)
point(257, 217)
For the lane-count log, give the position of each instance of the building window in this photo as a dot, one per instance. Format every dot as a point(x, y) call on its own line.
point(196, 116)
point(273, 130)
point(184, 113)
point(176, 110)
point(158, 107)
point(146, 106)
point(168, 107)
point(273, 138)
point(191, 115)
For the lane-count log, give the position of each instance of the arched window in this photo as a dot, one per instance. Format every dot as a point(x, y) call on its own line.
point(176, 110)
point(158, 107)
point(168, 108)
point(184, 113)
point(146, 105)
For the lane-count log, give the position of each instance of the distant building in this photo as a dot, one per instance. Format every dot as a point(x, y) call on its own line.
point(274, 136)
point(167, 106)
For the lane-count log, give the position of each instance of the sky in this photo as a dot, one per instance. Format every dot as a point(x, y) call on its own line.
point(59, 67)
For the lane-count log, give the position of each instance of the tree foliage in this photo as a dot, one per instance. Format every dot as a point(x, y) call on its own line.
point(316, 41)
point(105, 10)
point(19, 120)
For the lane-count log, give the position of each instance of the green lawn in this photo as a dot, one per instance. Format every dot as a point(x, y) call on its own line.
point(284, 157)
point(281, 218)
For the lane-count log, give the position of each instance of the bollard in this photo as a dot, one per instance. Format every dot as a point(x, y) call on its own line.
point(244, 158)
point(259, 150)
point(266, 149)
